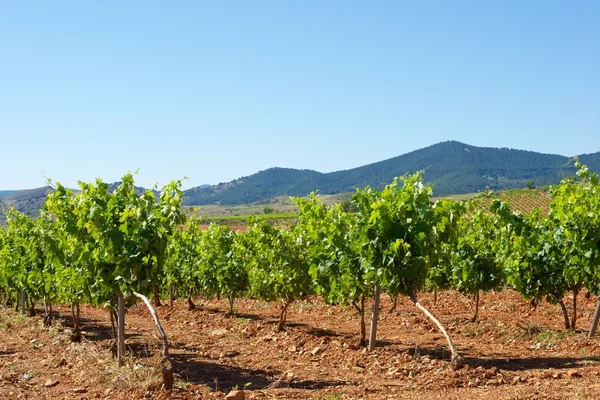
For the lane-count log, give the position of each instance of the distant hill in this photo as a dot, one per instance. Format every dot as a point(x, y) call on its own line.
point(27, 194)
point(451, 167)
point(30, 201)
point(27, 201)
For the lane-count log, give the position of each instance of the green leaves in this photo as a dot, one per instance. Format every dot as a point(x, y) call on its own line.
point(475, 261)
point(277, 262)
point(534, 262)
point(95, 244)
point(575, 216)
point(447, 214)
point(551, 255)
point(222, 261)
point(29, 255)
point(333, 244)
point(397, 229)
point(115, 241)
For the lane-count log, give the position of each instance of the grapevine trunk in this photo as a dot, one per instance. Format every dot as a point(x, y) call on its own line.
point(565, 314)
point(457, 361)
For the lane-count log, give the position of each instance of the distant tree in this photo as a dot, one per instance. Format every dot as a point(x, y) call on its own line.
point(268, 210)
point(530, 184)
point(348, 206)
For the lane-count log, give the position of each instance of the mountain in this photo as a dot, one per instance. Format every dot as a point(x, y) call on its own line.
point(451, 167)
point(30, 201)
point(27, 201)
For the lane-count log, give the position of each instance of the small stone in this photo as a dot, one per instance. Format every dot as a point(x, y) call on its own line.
point(219, 332)
point(80, 390)
point(516, 380)
point(574, 374)
point(292, 349)
point(236, 395)
point(315, 350)
point(556, 375)
point(50, 383)
point(62, 362)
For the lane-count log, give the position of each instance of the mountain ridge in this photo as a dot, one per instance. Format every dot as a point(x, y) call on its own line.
point(451, 167)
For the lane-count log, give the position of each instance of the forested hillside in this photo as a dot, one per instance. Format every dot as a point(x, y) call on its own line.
point(28, 202)
point(451, 167)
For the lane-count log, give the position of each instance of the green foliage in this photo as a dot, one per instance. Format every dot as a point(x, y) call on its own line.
point(575, 212)
point(242, 219)
point(28, 262)
point(278, 265)
point(104, 241)
point(564, 248)
point(268, 210)
point(475, 262)
point(120, 238)
point(333, 250)
point(182, 266)
point(397, 229)
point(447, 214)
point(73, 277)
point(348, 206)
point(222, 262)
point(551, 256)
point(534, 257)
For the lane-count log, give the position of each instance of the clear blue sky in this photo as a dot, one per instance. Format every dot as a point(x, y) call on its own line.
point(215, 90)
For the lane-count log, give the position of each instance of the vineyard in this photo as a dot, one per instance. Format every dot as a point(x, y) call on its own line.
point(331, 290)
point(523, 200)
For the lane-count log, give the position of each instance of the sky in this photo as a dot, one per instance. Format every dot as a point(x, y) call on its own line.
point(216, 90)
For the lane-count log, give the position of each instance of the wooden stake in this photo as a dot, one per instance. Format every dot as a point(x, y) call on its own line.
point(121, 330)
point(23, 301)
point(595, 320)
point(374, 318)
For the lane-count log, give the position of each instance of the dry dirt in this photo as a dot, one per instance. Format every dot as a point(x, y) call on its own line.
point(512, 352)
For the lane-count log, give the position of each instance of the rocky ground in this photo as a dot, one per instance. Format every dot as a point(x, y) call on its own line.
point(512, 352)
